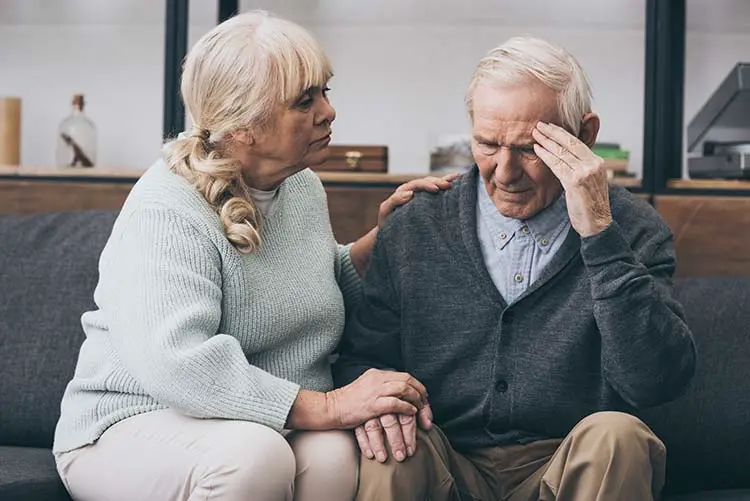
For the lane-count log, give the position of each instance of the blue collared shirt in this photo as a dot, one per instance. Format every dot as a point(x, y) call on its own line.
point(515, 252)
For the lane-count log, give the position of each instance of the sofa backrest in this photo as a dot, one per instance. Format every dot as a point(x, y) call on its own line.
point(707, 430)
point(48, 272)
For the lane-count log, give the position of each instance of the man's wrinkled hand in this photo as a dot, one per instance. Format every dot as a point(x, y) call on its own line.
point(582, 175)
point(399, 431)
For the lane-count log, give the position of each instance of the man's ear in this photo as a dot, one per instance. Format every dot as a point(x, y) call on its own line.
point(589, 129)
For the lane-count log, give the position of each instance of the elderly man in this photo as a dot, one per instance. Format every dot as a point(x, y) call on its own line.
point(534, 302)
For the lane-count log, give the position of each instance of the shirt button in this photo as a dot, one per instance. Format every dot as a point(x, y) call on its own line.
point(501, 386)
point(544, 242)
point(525, 229)
point(503, 235)
point(518, 277)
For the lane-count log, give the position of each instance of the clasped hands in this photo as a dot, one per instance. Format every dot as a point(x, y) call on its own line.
point(382, 406)
point(399, 430)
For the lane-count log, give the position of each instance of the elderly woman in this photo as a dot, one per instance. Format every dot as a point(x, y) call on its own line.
point(222, 293)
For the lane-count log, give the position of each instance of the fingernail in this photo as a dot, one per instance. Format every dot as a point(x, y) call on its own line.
point(399, 456)
point(407, 194)
point(381, 457)
point(369, 454)
point(541, 125)
point(410, 451)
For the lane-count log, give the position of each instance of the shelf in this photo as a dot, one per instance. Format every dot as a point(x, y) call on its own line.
point(365, 177)
point(132, 175)
point(708, 184)
point(626, 182)
point(82, 173)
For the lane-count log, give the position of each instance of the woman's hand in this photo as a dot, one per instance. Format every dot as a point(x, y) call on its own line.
point(362, 248)
point(374, 394)
point(405, 192)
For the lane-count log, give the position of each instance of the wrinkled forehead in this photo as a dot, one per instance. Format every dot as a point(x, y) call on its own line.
point(515, 104)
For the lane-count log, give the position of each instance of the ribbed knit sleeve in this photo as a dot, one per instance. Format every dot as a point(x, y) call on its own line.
point(348, 278)
point(161, 287)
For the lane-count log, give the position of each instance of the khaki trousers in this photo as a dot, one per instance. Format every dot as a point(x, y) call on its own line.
point(166, 456)
point(608, 456)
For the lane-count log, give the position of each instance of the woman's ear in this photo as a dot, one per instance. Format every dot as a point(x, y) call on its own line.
point(244, 137)
point(589, 129)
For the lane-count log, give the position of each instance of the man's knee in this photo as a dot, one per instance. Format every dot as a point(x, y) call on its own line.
point(251, 459)
point(408, 475)
point(618, 431)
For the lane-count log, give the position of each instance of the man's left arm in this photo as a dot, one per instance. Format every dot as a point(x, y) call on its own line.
point(648, 352)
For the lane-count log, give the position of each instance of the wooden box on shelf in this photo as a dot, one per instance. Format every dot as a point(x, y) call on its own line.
point(356, 158)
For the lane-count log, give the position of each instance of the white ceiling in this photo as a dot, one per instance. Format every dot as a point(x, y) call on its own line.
point(703, 15)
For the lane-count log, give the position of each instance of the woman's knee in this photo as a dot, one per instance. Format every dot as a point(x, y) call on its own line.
point(252, 460)
point(325, 451)
point(327, 464)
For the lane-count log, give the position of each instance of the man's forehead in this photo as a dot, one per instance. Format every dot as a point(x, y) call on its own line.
point(487, 128)
point(528, 103)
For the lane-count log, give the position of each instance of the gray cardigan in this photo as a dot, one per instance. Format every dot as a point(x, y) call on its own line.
point(599, 330)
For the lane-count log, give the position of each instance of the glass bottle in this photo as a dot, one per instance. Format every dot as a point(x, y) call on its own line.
point(76, 138)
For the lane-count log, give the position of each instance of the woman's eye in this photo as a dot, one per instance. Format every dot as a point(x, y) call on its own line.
point(326, 90)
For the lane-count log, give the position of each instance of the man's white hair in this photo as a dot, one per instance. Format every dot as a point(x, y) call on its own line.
point(521, 60)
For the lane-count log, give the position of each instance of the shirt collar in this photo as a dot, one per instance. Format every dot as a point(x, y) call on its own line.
point(545, 227)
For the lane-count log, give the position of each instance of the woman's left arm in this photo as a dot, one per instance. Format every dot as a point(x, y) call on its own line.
point(360, 251)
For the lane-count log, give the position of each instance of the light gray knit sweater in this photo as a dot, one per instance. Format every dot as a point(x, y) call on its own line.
point(185, 321)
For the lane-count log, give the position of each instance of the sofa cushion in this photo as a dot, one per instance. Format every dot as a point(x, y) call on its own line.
point(29, 474)
point(707, 431)
point(48, 272)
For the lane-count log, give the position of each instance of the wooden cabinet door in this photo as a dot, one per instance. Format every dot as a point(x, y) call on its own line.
point(354, 209)
point(712, 234)
point(37, 196)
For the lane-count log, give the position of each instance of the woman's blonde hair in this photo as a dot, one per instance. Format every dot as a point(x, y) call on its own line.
point(234, 78)
point(524, 59)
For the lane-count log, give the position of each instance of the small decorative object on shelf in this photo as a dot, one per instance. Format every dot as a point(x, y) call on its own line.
point(10, 130)
point(615, 159)
point(76, 138)
point(452, 153)
point(355, 158)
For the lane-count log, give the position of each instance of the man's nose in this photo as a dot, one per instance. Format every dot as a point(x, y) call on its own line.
point(508, 169)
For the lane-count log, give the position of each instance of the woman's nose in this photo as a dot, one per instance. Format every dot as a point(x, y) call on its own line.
point(327, 113)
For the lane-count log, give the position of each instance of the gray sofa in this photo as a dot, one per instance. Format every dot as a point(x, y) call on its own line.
point(48, 270)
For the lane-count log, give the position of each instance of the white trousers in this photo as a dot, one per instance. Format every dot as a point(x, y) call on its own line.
point(164, 455)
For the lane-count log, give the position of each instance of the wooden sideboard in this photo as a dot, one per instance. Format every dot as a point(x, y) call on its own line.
point(353, 198)
point(712, 233)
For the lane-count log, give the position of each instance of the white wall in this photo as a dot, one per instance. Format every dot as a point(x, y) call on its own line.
point(112, 51)
point(401, 66)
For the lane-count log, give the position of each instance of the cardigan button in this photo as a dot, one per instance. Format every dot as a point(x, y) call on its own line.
point(501, 386)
